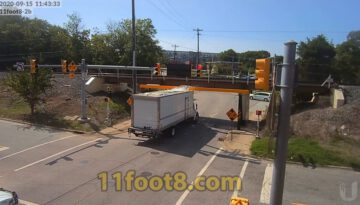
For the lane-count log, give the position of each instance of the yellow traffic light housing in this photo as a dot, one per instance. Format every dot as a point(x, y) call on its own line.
point(33, 66)
point(262, 74)
point(64, 66)
point(158, 69)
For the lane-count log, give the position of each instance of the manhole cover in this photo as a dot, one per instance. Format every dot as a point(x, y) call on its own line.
point(155, 153)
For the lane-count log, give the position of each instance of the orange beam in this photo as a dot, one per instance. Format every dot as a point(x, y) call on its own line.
point(223, 90)
point(194, 88)
point(156, 86)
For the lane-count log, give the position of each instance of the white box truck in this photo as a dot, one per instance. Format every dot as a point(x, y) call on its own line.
point(153, 113)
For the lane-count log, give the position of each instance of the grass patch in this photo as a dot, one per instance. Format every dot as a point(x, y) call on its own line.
point(13, 109)
point(308, 151)
point(53, 120)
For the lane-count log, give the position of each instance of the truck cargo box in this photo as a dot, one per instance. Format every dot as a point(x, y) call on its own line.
point(154, 112)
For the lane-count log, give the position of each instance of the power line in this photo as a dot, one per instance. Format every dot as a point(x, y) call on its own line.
point(275, 31)
point(179, 46)
point(175, 11)
point(166, 14)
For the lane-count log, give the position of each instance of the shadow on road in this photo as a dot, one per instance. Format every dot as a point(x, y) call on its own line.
point(189, 139)
point(193, 138)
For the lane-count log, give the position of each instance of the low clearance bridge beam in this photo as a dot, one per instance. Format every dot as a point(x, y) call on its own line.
point(243, 103)
point(194, 88)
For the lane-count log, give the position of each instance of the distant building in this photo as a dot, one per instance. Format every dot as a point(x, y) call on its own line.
point(190, 56)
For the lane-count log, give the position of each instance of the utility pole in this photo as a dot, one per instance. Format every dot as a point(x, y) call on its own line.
point(175, 46)
point(198, 48)
point(133, 47)
point(286, 86)
point(271, 124)
point(83, 117)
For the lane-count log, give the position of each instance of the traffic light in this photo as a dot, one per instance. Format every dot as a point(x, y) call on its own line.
point(262, 74)
point(157, 69)
point(64, 66)
point(33, 66)
point(199, 70)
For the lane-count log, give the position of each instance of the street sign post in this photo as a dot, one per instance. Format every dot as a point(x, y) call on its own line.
point(232, 115)
point(258, 113)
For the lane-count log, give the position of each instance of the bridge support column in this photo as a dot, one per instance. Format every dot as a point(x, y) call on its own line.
point(243, 110)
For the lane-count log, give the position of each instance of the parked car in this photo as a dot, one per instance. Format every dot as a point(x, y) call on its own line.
point(8, 197)
point(263, 96)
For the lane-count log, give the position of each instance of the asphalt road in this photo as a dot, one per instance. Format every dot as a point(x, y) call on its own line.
point(45, 166)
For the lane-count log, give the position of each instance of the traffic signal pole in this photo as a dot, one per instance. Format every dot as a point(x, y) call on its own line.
point(133, 47)
point(84, 68)
point(83, 92)
point(286, 86)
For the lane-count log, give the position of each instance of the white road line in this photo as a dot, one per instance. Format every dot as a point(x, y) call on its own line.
point(26, 202)
point(266, 185)
point(11, 122)
point(36, 146)
point(202, 171)
point(46, 158)
point(241, 177)
point(3, 148)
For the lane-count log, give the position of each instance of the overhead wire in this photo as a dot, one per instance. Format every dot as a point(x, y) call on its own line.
point(167, 15)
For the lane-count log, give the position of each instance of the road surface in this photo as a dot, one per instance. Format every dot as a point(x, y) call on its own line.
point(45, 166)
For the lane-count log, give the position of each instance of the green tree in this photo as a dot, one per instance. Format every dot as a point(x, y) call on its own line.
point(148, 52)
point(316, 59)
point(30, 87)
point(22, 37)
point(228, 55)
point(80, 38)
point(102, 50)
point(248, 59)
point(347, 59)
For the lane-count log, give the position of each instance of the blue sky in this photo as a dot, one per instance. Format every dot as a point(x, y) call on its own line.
point(238, 24)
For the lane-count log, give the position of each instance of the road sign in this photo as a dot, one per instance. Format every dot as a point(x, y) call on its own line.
point(19, 66)
point(130, 101)
point(71, 75)
point(258, 112)
point(232, 114)
point(72, 66)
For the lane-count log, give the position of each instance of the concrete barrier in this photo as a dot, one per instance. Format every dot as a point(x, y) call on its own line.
point(337, 98)
point(96, 84)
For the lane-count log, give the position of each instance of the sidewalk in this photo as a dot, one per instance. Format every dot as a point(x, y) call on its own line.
point(238, 141)
point(118, 128)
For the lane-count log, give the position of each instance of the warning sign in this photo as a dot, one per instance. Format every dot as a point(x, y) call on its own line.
point(130, 101)
point(72, 67)
point(71, 75)
point(232, 114)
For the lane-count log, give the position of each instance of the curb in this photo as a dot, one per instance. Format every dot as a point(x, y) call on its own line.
point(296, 163)
point(47, 126)
point(301, 164)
